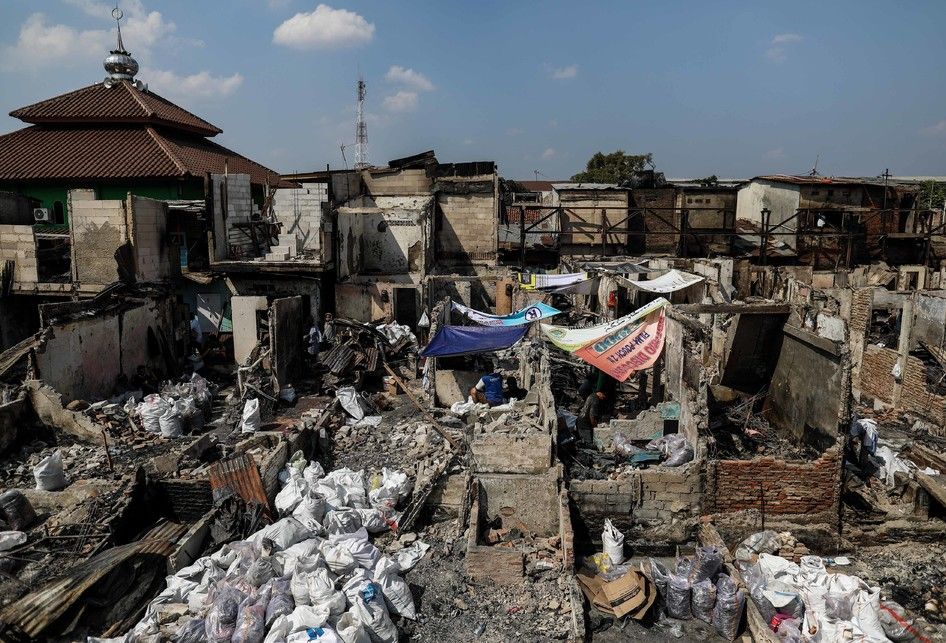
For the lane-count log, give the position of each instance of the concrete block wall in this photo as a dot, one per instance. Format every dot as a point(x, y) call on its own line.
point(240, 209)
point(98, 229)
point(300, 212)
point(877, 381)
point(503, 453)
point(659, 494)
point(809, 488)
point(18, 244)
point(149, 237)
point(468, 228)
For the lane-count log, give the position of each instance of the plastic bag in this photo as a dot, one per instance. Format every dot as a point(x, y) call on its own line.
point(408, 557)
point(11, 539)
point(17, 510)
point(601, 562)
point(261, 571)
point(837, 606)
point(660, 575)
point(338, 558)
point(280, 601)
point(896, 621)
point(350, 400)
point(613, 542)
point(623, 445)
point(48, 473)
point(250, 422)
point(193, 631)
point(730, 604)
point(251, 620)
point(373, 520)
point(680, 455)
point(311, 507)
point(321, 634)
point(397, 594)
point(363, 552)
point(351, 630)
point(343, 521)
point(706, 564)
point(170, 421)
point(290, 496)
point(789, 631)
point(763, 542)
point(287, 394)
point(288, 558)
point(150, 410)
point(703, 599)
point(284, 533)
point(322, 593)
point(373, 613)
point(679, 597)
point(298, 586)
point(222, 615)
point(313, 473)
point(684, 566)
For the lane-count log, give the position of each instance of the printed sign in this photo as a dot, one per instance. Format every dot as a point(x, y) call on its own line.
point(527, 315)
point(571, 339)
point(629, 349)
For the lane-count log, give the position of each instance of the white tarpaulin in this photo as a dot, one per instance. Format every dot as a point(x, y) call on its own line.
point(671, 281)
point(532, 281)
point(571, 339)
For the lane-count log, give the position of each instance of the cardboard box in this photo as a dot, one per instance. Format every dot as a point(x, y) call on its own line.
point(630, 595)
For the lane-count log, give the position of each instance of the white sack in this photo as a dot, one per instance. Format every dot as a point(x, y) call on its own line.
point(251, 420)
point(613, 542)
point(48, 473)
point(396, 592)
point(284, 533)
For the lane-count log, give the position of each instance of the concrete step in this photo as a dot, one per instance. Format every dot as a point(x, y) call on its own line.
point(291, 242)
point(276, 256)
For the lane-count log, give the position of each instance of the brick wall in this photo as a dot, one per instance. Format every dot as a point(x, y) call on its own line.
point(660, 217)
point(300, 212)
point(504, 453)
point(189, 500)
point(98, 229)
point(877, 381)
point(859, 322)
point(17, 244)
point(660, 494)
point(809, 488)
point(468, 228)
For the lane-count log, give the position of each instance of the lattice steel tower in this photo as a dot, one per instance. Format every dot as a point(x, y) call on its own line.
point(361, 130)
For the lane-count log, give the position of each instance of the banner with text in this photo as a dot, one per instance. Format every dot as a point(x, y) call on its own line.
point(527, 315)
point(571, 339)
point(629, 349)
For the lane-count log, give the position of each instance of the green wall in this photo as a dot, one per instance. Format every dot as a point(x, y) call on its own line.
point(49, 193)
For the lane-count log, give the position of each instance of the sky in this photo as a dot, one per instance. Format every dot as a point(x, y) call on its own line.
point(734, 89)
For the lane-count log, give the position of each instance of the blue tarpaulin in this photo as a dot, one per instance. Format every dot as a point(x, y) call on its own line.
point(466, 340)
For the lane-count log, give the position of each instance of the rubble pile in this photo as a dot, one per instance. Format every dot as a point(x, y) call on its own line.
point(362, 350)
point(911, 575)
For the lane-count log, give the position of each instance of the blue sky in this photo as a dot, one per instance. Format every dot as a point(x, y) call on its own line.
point(727, 88)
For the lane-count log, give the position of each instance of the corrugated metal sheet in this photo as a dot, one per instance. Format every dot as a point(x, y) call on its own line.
point(29, 617)
point(240, 476)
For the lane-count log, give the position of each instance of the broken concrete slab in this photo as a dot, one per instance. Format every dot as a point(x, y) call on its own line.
point(47, 403)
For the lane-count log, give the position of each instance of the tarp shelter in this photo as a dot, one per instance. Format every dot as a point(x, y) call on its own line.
point(670, 281)
point(531, 313)
point(468, 340)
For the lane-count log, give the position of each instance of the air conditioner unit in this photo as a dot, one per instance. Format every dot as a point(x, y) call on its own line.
point(41, 214)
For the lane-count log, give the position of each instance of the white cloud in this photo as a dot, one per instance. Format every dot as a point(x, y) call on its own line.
point(549, 153)
point(786, 38)
point(468, 141)
point(408, 77)
point(401, 102)
point(324, 28)
point(200, 86)
point(777, 153)
point(564, 73)
point(41, 45)
point(514, 131)
point(777, 50)
point(938, 129)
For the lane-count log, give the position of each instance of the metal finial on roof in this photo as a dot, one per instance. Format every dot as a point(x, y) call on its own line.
point(119, 64)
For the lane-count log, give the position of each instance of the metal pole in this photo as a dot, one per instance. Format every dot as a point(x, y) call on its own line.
point(522, 236)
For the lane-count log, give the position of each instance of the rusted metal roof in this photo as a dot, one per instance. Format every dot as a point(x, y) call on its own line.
point(240, 476)
point(122, 103)
point(30, 618)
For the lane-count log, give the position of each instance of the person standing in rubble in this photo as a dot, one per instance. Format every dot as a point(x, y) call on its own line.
point(598, 403)
point(328, 329)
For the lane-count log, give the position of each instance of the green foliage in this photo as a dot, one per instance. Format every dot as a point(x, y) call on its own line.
point(710, 181)
point(616, 167)
point(932, 195)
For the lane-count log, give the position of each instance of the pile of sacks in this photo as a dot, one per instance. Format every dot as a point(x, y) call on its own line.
point(696, 588)
point(312, 575)
point(804, 601)
point(179, 408)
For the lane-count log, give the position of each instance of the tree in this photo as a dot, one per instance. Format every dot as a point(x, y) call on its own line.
point(616, 167)
point(710, 181)
point(932, 195)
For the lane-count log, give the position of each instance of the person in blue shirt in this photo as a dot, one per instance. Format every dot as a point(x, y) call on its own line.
point(489, 390)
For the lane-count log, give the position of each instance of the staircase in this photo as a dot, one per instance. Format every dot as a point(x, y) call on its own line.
point(286, 248)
